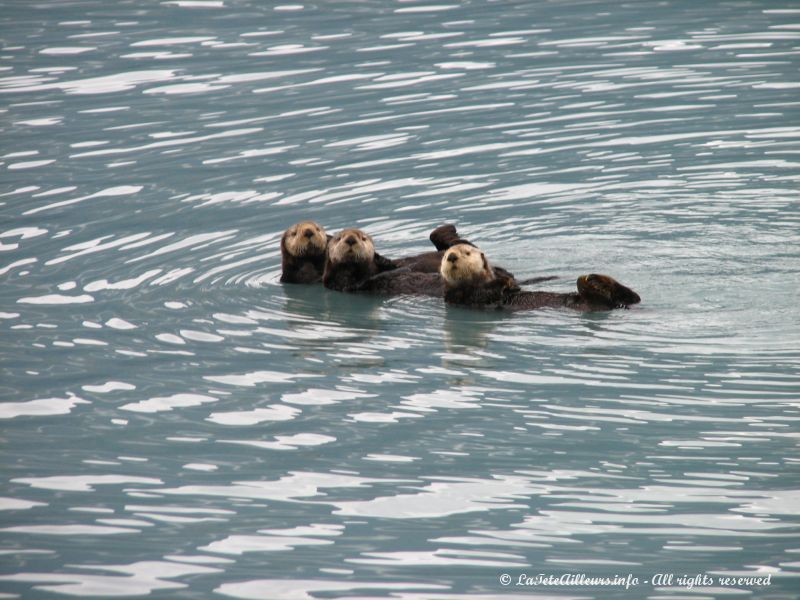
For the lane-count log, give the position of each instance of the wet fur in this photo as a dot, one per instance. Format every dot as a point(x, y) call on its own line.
point(364, 270)
point(303, 251)
point(352, 265)
point(471, 281)
point(303, 255)
point(618, 296)
point(404, 281)
point(351, 260)
point(442, 238)
point(420, 275)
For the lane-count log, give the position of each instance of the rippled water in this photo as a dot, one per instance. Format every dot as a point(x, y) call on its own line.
point(175, 422)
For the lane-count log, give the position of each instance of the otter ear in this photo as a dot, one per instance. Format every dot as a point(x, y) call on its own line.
point(485, 262)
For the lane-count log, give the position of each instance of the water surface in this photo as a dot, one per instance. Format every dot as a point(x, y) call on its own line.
point(177, 423)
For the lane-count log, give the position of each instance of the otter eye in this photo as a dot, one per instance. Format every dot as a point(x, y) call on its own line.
point(467, 253)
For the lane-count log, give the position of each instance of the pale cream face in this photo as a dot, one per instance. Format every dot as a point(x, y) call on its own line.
point(463, 263)
point(305, 238)
point(351, 245)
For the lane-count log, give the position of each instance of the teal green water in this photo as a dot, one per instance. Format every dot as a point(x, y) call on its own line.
point(176, 423)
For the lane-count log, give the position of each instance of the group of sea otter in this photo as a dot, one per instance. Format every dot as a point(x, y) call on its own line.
point(457, 271)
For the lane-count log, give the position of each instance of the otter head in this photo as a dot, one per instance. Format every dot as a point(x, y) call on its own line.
point(305, 239)
point(465, 264)
point(351, 246)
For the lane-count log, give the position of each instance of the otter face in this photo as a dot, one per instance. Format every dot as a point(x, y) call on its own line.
point(351, 246)
point(464, 264)
point(305, 239)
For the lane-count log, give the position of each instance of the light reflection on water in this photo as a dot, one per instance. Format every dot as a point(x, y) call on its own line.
point(179, 423)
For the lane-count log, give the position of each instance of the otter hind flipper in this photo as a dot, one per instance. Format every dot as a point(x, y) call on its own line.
point(607, 290)
point(444, 236)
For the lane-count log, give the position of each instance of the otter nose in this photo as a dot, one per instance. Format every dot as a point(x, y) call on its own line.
point(452, 258)
point(350, 240)
point(308, 233)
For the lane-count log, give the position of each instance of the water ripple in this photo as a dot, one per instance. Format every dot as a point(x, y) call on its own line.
point(200, 416)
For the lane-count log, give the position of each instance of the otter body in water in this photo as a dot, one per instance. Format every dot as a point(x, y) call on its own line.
point(352, 265)
point(303, 248)
point(469, 280)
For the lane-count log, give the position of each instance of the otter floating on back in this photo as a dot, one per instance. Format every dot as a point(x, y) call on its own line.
point(354, 266)
point(469, 280)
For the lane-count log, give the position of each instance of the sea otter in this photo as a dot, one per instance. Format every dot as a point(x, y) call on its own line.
point(352, 265)
point(446, 236)
point(303, 248)
point(469, 280)
point(304, 245)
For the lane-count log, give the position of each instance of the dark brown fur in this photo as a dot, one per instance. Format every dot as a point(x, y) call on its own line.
point(404, 282)
point(345, 271)
point(471, 281)
point(419, 275)
point(309, 267)
point(601, 293)
point(305, 267)
point(352, 265)
point(442, 237)
point(414, 275)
